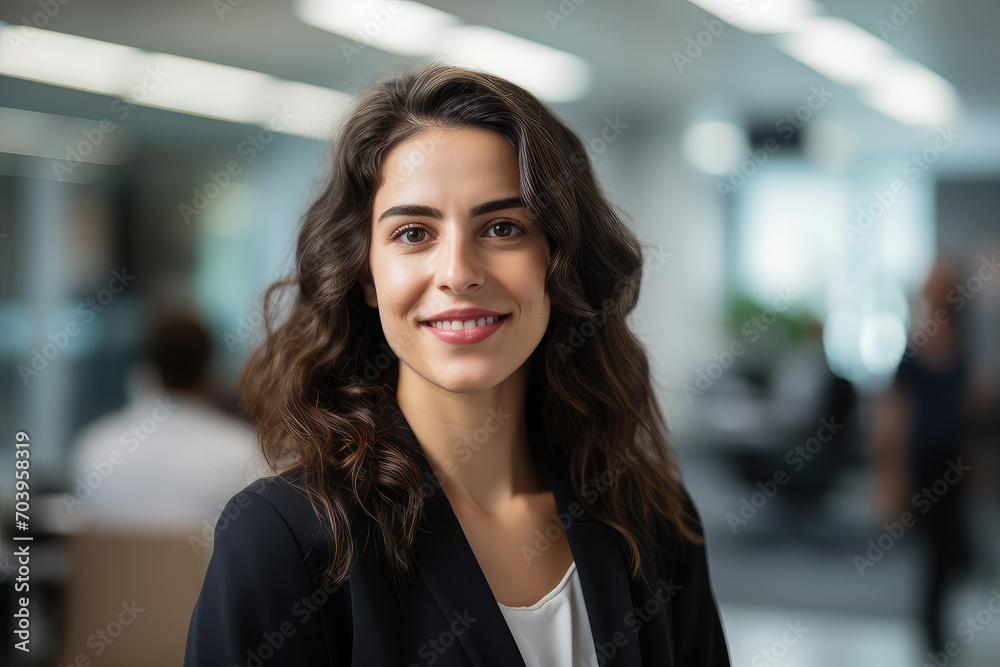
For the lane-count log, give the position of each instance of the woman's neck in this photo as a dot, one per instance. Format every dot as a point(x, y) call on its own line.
point(476, 442)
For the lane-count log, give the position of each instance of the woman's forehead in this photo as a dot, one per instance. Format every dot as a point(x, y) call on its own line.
point(449, 164)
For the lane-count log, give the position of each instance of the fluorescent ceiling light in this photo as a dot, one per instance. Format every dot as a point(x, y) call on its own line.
point(52, 136)
point(171, 82)
point(64, 60)
point(201, 88)
point(314, 112)
point(839, 50)
point(912, 94)
point(891, 84)
point(406, 28)
point(413, 29)
point(759, 15)
point(553, 75)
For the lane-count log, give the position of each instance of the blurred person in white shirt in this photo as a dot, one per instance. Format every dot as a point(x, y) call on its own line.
point(169, 458)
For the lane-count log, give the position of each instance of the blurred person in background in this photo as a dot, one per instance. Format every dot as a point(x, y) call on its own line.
point(169, 457)
point(923, 433)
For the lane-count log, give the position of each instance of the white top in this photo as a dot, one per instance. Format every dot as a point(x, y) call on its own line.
point(555, 631)
point(162, 461)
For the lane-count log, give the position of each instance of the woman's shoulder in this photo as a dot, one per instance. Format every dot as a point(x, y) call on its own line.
point(265, 574)
point(687, 551)
point(280, 494)
point(283, 491)
point(274, 513)
point(672, 552)
point(700, 638)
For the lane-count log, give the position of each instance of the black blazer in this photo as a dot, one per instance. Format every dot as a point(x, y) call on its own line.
point(261, 605)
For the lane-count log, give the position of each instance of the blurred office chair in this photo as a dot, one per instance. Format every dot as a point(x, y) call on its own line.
point(129, 597)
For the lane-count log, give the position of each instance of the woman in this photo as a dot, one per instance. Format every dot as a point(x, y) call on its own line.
point(930, 405)
point(472, 465)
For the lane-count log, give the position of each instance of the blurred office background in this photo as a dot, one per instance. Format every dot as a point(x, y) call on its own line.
point(797, 168)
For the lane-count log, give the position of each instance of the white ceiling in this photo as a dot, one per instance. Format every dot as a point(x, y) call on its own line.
point(630, 45)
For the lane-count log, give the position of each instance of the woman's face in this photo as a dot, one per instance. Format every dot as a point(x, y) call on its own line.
point(449, 232)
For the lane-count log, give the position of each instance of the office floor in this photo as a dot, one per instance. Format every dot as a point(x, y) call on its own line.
point(791, 593)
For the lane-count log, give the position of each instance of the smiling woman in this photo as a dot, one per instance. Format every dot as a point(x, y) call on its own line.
point(467, 249)
point(489, 498)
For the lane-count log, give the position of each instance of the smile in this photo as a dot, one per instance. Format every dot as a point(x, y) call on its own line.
point(467, 324)
point(465, 332)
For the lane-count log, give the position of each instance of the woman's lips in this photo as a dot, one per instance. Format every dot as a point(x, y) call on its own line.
point(466, 336)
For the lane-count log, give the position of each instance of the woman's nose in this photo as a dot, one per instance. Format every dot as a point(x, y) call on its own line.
point(460, 266)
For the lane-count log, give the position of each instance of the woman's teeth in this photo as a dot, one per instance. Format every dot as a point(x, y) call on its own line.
point(466, 324)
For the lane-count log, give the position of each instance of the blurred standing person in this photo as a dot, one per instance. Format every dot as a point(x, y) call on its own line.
point(168, 457)
point(926, 408)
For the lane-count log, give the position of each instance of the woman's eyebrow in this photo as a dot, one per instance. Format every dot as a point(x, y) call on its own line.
point(431, 212)
point(498, 205)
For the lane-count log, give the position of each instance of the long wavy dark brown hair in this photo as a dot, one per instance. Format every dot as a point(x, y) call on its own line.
point(311, 387)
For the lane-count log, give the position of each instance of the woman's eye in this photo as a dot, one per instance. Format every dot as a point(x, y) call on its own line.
point(505, 225)
point(408, 232)
point(411, 234)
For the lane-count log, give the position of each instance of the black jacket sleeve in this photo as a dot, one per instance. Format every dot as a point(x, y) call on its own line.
point(698, 632)
point(257, 605)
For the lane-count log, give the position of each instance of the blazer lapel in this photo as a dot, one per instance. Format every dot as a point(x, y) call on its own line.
point(598, 551)
point(449, 568)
